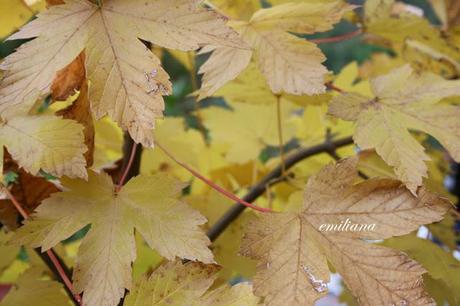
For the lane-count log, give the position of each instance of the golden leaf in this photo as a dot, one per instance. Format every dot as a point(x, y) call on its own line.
point(251, 133)
point(31, 287)
point(403, 100)
point(289, 64)
point(292, 247)
point(127, 81)
point(103, 265)
point(187, 284)
point(49, 143)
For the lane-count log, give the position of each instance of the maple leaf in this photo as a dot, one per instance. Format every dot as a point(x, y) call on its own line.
point(13, 14)
point(49, 143)
point(28, 190)
point(442, 266)
point(413, 37)
point(80, 111)
point(9, 252)
point(250, 87)
point(237, 8)
point(103, 265)
point(403, 100)
point(252, 133)
point(180, 284)
point(108, 144)
point(290, 64)
point(127, 81)
point(31, 287)
point(67, 81)
point(292, 247)
point(226, 246)
point(187, 145)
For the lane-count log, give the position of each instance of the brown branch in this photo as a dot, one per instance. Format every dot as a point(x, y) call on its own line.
point(128, 166)
point(272, 178)
point(51, 259)
point(210, 183)
point(280, 132)
point(337, 38)
point(331, 86)
point(131, 167)
point(131, 164)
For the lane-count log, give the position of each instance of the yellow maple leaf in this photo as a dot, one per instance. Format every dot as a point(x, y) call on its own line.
point(348, 80)
point(187, 146)
point(403, 100)
point(290, 64)
point(292, 247)
point(378, 64)
point(179, 284)
point(9, 252)
point(146, 258)
point(305, 17)
point(49, 143)
point(312, 127)
point(32, 287)
point(103, 266)
point(108, 143)
point(251, 133)
point(127, 81)
point(412, 36)
point(15, 13)
point(277, 2)
point(442, 266)
point(250, 87)
point(241, 9)
point(371, 164)
point(232, 176)
point(225, 248)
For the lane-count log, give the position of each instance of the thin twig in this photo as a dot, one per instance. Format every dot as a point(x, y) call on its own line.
point(271, 179)
point(338, 38)
point(50, 253)
point(132, 154)
point(331, 86)
point(128, 167)
point(208, 182)
point(280, 133)
point(61, 272)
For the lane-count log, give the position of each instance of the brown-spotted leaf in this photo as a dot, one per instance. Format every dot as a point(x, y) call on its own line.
point(127, 80)
point(293, 248)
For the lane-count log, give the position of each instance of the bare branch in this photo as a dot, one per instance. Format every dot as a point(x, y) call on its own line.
point(271, 179)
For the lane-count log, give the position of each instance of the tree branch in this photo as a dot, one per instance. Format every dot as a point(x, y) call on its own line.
point(210, 183)
point(131, 165)
point(271, 179)
point(59, 268)
point(338, 38)
point(51, 259)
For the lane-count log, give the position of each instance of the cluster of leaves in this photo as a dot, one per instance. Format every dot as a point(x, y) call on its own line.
point(268, 121)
